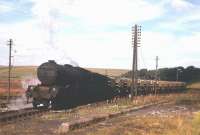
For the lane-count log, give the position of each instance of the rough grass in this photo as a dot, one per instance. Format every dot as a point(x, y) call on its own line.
point(177, 124)
point(149, 125)
point(196, 124)
point(191, 98)
point(153, 125)
point(40, 124)
point(104, 108)
point(195, 85)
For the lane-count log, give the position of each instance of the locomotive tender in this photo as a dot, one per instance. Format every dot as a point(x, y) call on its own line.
point(65, 86)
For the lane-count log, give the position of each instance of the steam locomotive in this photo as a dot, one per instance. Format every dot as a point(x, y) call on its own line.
point(65, 86)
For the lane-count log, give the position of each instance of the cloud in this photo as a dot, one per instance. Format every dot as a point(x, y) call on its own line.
point(173, 51)
point(181, 5)
point(44, 31)
point(78, 32)
point(5, 7)
point(98, 12)
point(115, 11)
point(184, 19)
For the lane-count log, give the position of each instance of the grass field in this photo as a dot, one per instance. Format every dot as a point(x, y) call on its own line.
point(154, 125)
point(164, 121)
point(174, 123)
point(17, 72)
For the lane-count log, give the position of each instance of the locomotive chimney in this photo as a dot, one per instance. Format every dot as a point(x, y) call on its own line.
point(51, 61)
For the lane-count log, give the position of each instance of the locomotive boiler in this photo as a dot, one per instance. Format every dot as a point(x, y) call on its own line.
point(65, 86)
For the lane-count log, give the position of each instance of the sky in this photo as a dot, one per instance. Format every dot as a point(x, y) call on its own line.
point(98, 33)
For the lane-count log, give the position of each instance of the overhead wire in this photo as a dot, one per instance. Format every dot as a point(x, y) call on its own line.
point(142, 58)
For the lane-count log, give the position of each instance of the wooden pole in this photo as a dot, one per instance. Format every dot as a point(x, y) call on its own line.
point(10, 43)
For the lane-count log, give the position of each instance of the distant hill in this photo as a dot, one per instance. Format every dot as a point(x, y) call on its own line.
point(18, 72)
point(1, 67)
point(109, 72)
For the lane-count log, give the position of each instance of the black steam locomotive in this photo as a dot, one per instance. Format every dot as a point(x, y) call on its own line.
point(65, 86)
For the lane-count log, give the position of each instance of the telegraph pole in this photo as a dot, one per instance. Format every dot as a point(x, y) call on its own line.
point(177, 73)
point(136, 33)
point(10, 43)
point(156, 75)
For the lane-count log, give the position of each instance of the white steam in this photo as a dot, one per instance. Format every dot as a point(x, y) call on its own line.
point(29, 80)
point(21, 102)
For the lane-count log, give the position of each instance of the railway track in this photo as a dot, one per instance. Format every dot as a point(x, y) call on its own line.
point(21, 114)
point(14, 115)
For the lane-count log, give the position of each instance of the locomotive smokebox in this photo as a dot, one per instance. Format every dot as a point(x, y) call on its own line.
point(47, 72)
point(51, 73)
